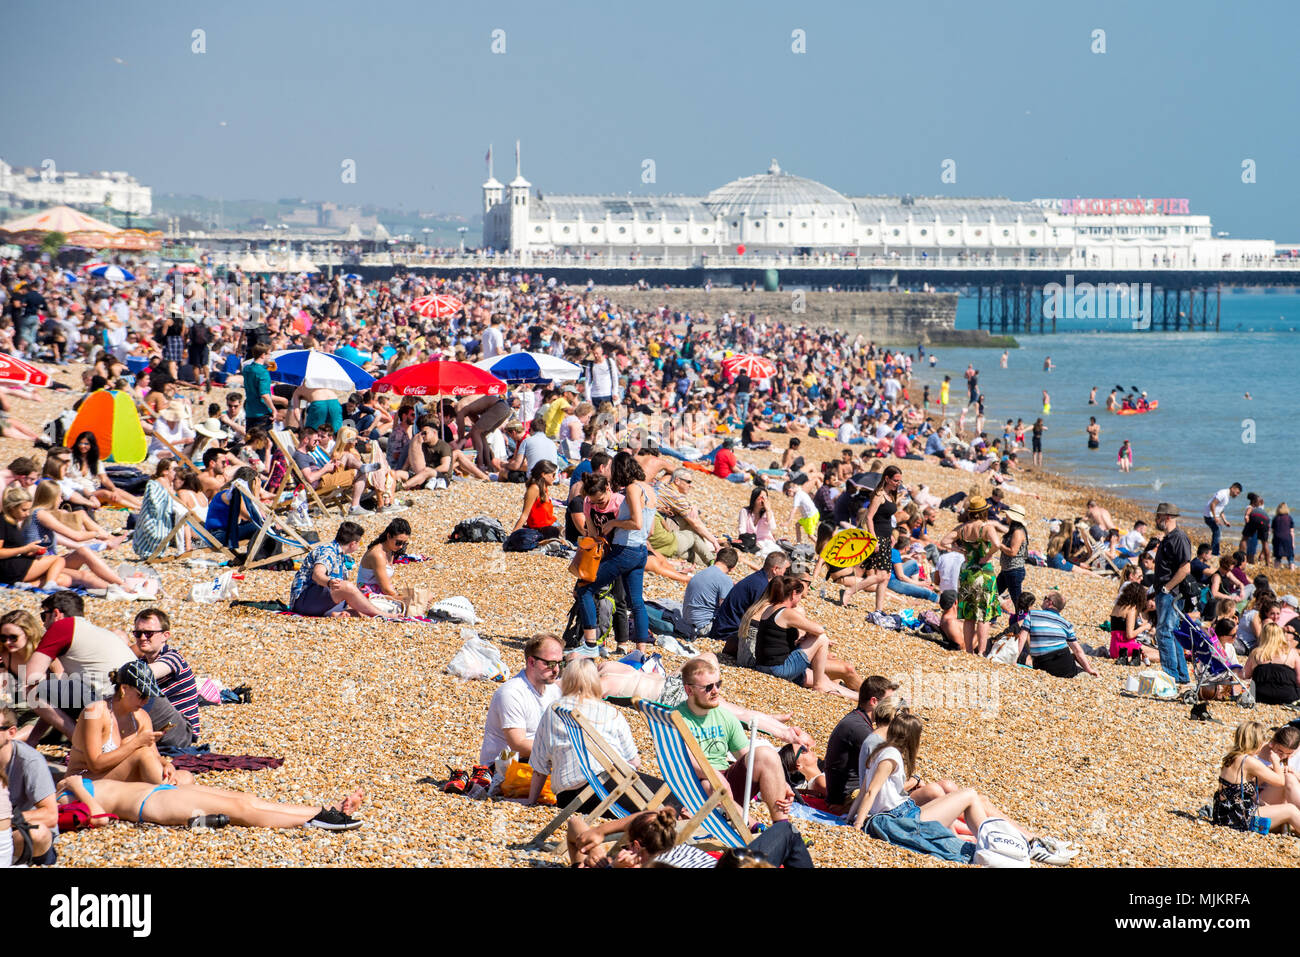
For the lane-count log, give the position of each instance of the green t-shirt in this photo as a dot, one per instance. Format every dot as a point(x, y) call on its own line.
point(662, 540)
point(719, 732)
point(257, 382)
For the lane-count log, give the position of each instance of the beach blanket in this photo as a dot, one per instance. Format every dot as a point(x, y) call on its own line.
point(199, 760)
point(806, 812)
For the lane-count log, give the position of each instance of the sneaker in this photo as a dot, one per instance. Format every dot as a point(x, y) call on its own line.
point(359, 510)
point(585, 650)
point(1048, 850)
point(332, 819)
point(1206, 813)
point(456, 783)
point(430, 485)
point(481, 776)
point(369, 467)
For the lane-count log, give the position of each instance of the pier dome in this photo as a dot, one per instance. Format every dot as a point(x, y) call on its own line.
point(779, 193)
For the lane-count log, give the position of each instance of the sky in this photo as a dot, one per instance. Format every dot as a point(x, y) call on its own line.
point(284, 94)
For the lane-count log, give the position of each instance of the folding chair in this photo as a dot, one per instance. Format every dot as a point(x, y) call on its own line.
point(268, 526)
point(587, 742)
point(1099, 556)
point(177, 453)
point(186, 515)
point(675, 747)
point(301, 479)
point(1210, 667)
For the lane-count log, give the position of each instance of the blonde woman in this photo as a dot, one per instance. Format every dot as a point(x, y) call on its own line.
point(71, 527)
point(23, 560)
point(1242, 774)
point(20, 633)
point(1275, 667)
point(553, 755)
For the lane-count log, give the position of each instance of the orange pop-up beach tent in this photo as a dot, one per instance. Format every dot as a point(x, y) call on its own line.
point(111, 416)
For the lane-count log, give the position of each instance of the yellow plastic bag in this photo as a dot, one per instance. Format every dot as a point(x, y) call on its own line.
point(518, 783)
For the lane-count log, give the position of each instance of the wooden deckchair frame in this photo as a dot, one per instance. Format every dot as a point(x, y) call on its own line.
point(269, 522)
point(179, 455)
point(1098, 551)
point(301, 478)
point(625, 783)
point(720, 797)
point(196, 525)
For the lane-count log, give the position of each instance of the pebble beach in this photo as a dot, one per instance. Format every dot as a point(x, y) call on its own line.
point(367, 703)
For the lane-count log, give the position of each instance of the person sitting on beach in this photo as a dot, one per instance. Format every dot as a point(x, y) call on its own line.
point(845, 742)
point(902, 578)
point(624, 682)
point(1128, 620)
point(374, 574)
point(651, 841)
point(721, 737)
point(87, 467)
point(538, 513)
point(517, 706)
point(951, 627)
point(321, 588)
point(325, 474)
point(1283, 746)
point(193, 805)
point(1056, 546)
point(1274, 665)
point(157, 516)
point(787, 644)
point(705, 593)
point(26, 786)
point(115, 738)
point(1241, 777)
point(694, 540)
point(886, 769)
point(1100, 516)
point(756, 520)
point(1052, 642)
point(152, 632)
point(552, 753)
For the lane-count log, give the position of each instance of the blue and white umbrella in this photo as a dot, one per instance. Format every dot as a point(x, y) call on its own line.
point(112, 273)
point(70, 276)
point(318, 370)
point(533, 368)
point(351, 276)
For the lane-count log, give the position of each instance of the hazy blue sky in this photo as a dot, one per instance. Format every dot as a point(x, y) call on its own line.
point(710, 91)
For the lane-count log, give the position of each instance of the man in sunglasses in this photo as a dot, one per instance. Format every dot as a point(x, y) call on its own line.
point(517, 706)
point(179, 704)
point(721, 736)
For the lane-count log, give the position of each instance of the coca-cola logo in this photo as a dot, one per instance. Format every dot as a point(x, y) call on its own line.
point(416, 390)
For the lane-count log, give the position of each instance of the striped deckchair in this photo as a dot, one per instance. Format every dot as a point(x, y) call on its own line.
point(269, 526)
point(587, 743)
point(186, 516)
point(679, 754)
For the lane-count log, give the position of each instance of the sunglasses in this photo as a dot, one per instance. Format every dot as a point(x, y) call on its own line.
point(4, 637)
point(145, 632)
point(549, 663)
point(716, 685)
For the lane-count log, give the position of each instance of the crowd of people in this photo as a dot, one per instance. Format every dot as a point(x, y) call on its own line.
point(653, 411)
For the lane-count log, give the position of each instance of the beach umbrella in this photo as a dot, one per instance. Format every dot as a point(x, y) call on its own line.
point(351, 276)
point(70, 276)
point(16, 370)
point(533, 368)
point(112, 273)
point(441, 377)
point(319, 370)
point(111, 416)
point(437, 306)
point(756, 367)
point(353, 354)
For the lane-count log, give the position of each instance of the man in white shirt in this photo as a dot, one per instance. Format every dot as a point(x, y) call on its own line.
point(1215, 515)
point(948, 568)
point(492, 342)
point(602, 378)
point(517, 706)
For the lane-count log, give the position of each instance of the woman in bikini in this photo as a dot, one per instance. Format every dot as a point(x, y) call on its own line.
point(374, 574)
point(115, 739)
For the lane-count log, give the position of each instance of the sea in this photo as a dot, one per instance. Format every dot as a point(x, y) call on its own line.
point(1228, 401)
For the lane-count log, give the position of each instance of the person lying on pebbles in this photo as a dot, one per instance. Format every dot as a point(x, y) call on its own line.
point(194, 805)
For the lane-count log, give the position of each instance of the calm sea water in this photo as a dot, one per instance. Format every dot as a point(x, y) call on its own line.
point(1206, 433)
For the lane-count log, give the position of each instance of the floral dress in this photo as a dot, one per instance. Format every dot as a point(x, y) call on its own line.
point(977, 593)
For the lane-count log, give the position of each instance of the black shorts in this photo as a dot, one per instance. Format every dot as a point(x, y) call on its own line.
point(1059, 663)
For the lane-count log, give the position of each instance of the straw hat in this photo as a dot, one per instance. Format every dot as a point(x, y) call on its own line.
point(976, 504)
point(170, 413)
point(211, 428)
point(1016, 513)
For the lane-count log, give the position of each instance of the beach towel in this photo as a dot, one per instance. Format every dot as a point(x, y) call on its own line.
point(198, 760)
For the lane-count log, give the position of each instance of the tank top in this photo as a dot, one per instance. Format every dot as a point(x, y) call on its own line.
point(1275, 684)
point(366, 576)
point(1011, 562)
point(1119, 623)
point(218, 511)
point(774, 642)
point(634, 537)
point(883, 522)
point(542, 514)
point(38, 532)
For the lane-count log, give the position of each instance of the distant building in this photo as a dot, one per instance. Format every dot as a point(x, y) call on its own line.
point(779, 213)
point(28, 186)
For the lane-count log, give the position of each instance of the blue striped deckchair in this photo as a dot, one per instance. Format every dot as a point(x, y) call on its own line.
point(679, 756)
point(281, 440)
point(292, 545)
point(185, 516)
point(587, 743)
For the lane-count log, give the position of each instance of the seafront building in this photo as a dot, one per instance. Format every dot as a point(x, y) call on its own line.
point(50, 186)
point(776, 213)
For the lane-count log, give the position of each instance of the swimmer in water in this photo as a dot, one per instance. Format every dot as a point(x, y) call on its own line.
point(1047, 403)
point(1125, 457)
point(1092, 396)
point(1047, 364)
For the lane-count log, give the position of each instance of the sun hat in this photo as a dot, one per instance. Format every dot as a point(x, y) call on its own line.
point(1164, 508)
point(170, 414)
point(976, 504)
point(1016, 512)
point(211, 428)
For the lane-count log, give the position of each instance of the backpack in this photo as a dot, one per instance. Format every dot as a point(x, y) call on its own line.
point(522, 540)
point(481, 528)
point(604, 620)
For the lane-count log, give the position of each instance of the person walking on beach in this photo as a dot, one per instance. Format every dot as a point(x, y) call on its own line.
point(1094, 433)
point(1215, 516)
point(1283, 537)
point(1173, 564)
point(1039, 429)
point(1126, 457)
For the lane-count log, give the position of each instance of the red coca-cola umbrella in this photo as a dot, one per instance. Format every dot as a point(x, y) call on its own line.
point(437, 306)
point(441, 377)
point(16, 370)
point(756, 367)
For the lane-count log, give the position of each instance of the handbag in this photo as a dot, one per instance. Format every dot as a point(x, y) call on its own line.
point(586, 561)
point(518, 783)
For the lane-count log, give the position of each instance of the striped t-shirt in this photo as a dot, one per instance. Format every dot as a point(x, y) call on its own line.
point(1048, 632)
point(179, 687)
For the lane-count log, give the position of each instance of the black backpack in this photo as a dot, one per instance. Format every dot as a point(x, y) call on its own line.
point(482, 528)
point(604, 620)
